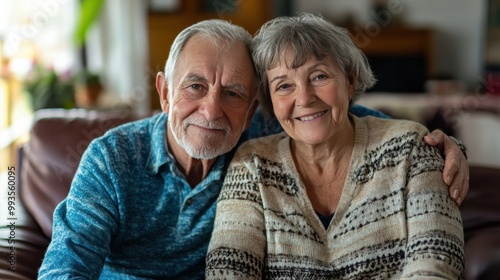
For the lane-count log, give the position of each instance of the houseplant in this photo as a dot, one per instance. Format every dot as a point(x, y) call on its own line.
point(88, 88)
point(47, 89)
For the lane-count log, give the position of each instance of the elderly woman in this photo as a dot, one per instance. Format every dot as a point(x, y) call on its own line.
point(334, 196)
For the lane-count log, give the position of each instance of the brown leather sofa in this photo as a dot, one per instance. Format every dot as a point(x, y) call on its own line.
point(58, 138)
point(46, 165)
point(481, 218)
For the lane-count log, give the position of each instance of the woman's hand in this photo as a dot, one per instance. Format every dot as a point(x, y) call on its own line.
point(456, 168)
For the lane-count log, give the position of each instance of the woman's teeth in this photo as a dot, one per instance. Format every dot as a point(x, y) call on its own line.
point(312, 117)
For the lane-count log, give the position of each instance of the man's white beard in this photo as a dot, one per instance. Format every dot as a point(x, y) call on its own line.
point(220, 144)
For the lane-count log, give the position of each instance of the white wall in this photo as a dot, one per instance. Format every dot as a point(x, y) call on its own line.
point(459, 24)
point(118, 44)
point(484, 150)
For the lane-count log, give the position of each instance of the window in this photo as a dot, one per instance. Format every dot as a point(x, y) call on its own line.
point(32, 32)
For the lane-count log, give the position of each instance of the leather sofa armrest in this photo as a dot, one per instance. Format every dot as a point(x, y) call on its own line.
point(22, 242)
point(482, 255)
point(481, 219)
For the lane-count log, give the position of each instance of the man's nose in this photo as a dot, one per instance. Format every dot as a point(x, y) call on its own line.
point(211, 107)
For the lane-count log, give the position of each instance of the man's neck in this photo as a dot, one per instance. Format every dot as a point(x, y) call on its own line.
point(195, 170)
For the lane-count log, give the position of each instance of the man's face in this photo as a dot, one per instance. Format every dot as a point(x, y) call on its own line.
point(210, 103)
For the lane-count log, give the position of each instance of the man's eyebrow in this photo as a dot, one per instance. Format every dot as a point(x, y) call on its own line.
point(236, 87)
point(231, 86)
point(195, 78)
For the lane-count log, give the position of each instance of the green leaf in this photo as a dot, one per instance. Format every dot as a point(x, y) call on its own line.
point(89, 12)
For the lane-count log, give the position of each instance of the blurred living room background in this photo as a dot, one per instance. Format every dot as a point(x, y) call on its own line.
point(436, 61)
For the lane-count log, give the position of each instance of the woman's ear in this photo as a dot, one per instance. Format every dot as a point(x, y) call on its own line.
point(351, 88)
point(162, 88)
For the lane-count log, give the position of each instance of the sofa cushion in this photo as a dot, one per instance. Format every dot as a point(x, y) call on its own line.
point(481, 219)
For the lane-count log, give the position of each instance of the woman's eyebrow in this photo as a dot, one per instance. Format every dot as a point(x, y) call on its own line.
point(316, 65)
point(277, 78)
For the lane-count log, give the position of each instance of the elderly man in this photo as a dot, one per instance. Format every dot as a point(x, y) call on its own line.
point(142, 202)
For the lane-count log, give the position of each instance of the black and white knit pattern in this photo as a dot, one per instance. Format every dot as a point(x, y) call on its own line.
point(394, 220)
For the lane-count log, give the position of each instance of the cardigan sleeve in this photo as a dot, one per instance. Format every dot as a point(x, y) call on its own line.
point(435, 242)
point(237, 247)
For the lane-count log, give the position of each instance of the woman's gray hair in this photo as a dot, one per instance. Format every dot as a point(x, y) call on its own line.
point(220, 32)
point(308, 36)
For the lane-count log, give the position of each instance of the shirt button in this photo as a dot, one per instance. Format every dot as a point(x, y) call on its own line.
point(189, 201)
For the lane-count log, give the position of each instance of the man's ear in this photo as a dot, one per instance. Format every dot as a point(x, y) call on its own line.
point(162, 88)
point(251, 112)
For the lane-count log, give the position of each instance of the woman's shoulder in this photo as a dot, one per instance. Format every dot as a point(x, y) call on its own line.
point(389, 128)
point(393, 123)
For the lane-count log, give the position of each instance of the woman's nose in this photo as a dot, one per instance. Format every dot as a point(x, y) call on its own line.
point(305, 95)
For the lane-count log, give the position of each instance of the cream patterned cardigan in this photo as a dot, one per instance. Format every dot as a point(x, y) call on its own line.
point(394, 220)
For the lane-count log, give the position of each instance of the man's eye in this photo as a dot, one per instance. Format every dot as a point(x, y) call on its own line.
point(195, 86)
point(234, 99)
point(232, 94)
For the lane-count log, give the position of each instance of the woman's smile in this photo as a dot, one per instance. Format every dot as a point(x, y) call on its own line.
point(311, 117)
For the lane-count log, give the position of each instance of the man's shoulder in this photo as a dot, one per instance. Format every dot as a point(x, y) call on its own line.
point(262, 125)
point(134, 133)
point(125, 147)
point(136, 126)
point(141, 126)
point(362, 111)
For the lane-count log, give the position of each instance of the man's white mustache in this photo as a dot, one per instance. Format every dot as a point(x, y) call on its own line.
point(220, 124)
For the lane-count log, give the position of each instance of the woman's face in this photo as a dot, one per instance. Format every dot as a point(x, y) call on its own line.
point(312, 101)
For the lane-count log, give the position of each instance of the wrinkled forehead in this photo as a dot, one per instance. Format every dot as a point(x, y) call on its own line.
point(202, 57)
point(295, 54)
point(292, 56)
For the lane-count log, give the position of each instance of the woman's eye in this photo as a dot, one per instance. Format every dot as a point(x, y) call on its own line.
point(320, 77)
point(283, 86)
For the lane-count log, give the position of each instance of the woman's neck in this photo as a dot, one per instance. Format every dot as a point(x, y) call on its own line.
point(323, 169)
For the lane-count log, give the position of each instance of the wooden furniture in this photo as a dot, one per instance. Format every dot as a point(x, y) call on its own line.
point(401, 57)
point(397, 40)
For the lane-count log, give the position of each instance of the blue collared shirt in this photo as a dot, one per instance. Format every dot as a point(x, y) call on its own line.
point(131, 214)
point(130, 211)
